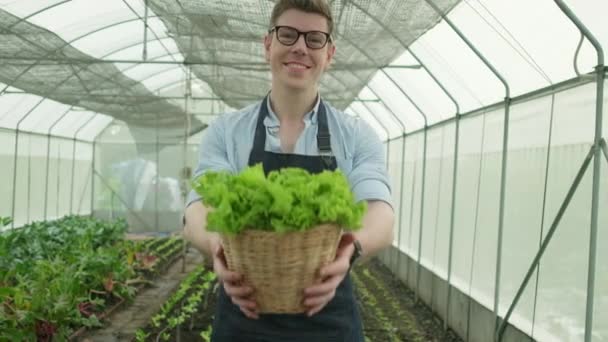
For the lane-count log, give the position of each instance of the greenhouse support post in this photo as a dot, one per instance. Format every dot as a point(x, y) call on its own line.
point(595, 197)
point(29, 177)
point(421, 221)
point(424, 117)
point(605, 149)
point(544, 206)
point(15, 157)
point(394, 35)
point(74, 159)
point(379, 123)
point(145, 41)
point(501, 210)
point(507, 103)
point(404, 93)
point(596, 165)
point(401, 201)
point(452, 212)
point(388, 141)
point(406, 47)
point(547, 239)
point(93, 153)
point(157, 187)
point(48, 160)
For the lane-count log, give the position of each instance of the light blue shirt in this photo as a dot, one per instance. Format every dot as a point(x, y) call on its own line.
point(227, 142)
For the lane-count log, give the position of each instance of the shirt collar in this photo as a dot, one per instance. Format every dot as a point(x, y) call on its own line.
point(310, 117)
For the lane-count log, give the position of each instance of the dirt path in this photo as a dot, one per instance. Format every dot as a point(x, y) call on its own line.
point(388, 307)
point(124, 322)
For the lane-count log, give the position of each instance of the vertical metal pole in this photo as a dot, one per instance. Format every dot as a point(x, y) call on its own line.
point(29, 176)
point(421, 211)
point(376, 118)
point(74, 159)
point(16, 151)
point(594, 205)
point(452, 211)
point(93, 165)
point(401, 201)
point(476, 224)
point(505, 144)
point(542, 221)
point(188, 95)
point(504, 153)
point(58, 180)
point(157, 173)
point(93, 157)
point(145, 51)
point(424, 117)
point(501, 210)
point(48, 160)
point(596, 166)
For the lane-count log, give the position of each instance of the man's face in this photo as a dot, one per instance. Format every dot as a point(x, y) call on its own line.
point(298, 67)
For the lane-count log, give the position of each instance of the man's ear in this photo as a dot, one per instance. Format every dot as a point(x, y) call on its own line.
point(331, 51)
point(267, 43)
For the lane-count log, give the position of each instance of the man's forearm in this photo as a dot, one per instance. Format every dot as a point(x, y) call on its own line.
point(377, 231)
point(195, 230)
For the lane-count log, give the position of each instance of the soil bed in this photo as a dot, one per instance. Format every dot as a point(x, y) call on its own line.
point(390, 311)
point(388, 307)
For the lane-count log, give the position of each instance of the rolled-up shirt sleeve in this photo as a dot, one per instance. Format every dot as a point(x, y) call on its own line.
point(369, 176)
point(212, 156)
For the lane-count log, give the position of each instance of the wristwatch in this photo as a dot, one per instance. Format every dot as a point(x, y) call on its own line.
point(357, 253)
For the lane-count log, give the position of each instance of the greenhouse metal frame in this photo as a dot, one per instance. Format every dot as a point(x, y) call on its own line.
point(443, 167)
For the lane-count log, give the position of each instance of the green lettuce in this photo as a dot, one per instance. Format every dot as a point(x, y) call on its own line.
point(290, 199)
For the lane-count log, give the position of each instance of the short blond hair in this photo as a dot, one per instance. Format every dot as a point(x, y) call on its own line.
point(310, 6)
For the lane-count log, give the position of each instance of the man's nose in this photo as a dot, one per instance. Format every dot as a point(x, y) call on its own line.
point(300, 44)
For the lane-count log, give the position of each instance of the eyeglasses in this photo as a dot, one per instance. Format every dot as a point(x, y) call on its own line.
point(288, 36)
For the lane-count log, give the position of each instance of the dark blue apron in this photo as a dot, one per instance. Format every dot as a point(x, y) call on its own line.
point(339, 320)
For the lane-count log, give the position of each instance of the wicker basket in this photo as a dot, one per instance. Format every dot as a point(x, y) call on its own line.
point(279, 266)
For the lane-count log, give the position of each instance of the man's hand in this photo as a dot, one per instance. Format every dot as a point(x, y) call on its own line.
point(318, 295)
point(239, 293)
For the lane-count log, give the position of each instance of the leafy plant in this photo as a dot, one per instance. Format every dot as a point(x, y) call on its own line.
point(140, 335)
point(5, 221)
point(58, 275)
point(290, 199)
point(206, 334)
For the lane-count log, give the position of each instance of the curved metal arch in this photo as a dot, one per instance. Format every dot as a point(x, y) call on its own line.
point(507, 102)
point(117, 24)
point(75, 72)
point(69, 43)
point(37, 12)
point(184, 81)
point(135, 65)
point(396, 37)
point(146, 27)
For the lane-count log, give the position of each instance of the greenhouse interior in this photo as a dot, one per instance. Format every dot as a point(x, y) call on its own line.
point(491, 119)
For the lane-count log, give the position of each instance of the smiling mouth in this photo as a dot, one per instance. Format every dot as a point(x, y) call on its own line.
point(296, 66)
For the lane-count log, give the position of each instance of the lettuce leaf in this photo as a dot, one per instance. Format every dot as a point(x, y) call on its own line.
point(290, 199)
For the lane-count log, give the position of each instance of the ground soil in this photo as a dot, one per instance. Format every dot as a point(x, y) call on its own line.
point(389, 309)
point(122, 324)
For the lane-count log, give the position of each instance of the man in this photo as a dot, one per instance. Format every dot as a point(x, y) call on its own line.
point(293, 126)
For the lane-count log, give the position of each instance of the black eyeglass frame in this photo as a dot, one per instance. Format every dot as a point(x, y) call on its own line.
point(276, 28)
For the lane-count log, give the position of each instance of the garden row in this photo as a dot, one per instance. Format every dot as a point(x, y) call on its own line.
point(390, 311)
point(58, 277)
point(187, 315)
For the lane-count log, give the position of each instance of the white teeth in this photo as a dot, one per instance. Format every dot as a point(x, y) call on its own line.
point(295, 65)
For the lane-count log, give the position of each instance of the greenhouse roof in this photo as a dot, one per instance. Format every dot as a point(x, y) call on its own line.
point(401, 65)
